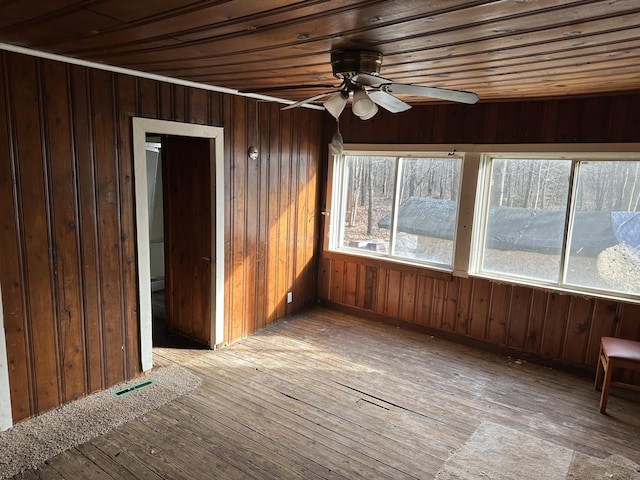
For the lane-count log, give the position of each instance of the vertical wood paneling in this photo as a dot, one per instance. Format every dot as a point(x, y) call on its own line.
point(380, 304)
point(252, 219)
point(370, 283)
point(36, 263)
point(450, 306)
point(425, 300)
point(148, 98)
point(498, 313)
point(361, 286)
point(408, 298)
point(605, 311)
point(580, 317)
point(394, 292)
point(629, 326)
point(272, 208)
point(337, 282)
point(164, 103)
point(292, 208)
point(553, 334)
point(324, 279)
point(539, 309)
point(437, 305)
point(125, 109)
point(480, 302)
point(14, 301)
point(284, 210)
point(67, 265)
point(80, 99)
point(262, 219)
point(62, 192)
point(239, 215)
point(518, 317)
point(178, 103)
point(108, 219)
point(464, 305)
point(196, 102)
point(351, 284)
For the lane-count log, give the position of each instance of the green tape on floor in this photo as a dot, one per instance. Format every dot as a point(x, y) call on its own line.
point(133, 388)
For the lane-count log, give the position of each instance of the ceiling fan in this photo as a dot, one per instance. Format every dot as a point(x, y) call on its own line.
point(359, 71)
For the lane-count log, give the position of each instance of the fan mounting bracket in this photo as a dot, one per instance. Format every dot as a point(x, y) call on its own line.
point(347, 63)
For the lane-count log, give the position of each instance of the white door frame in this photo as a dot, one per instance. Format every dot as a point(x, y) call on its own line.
point(6, 419)
point(142, 126)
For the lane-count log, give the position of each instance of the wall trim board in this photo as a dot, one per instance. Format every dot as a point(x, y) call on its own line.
point(151, 76)
point(5, 393)
point(142, 126)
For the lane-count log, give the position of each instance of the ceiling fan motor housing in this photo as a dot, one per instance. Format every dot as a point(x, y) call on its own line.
point(347, 63)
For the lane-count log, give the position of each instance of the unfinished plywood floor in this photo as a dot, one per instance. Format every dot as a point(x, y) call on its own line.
point(329, 395)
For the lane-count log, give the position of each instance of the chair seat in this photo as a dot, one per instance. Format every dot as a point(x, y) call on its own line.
point(615, 353)
point(621, 348)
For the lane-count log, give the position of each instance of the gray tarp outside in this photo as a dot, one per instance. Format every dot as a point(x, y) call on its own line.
point(537, 230)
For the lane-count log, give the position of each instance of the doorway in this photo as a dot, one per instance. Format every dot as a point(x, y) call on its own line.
point(208, 265)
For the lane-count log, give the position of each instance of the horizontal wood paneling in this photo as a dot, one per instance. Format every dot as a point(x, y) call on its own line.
point(548, 325)
point(67, 263)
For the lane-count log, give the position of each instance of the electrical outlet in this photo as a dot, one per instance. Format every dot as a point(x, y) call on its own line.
point(289, 297)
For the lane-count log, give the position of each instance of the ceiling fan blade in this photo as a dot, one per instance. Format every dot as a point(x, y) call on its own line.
point(308, 100)
point(388, 101)
point(284, 87)
point(432, 92)
point(369, 80)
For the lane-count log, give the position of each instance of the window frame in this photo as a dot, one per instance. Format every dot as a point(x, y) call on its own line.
point(336, 198)
point(577, 156)
point(471, 215)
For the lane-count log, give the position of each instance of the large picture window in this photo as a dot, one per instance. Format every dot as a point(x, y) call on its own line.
point(399, 207)
point(572, 222)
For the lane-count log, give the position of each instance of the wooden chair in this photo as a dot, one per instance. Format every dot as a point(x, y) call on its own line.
point(615, 353)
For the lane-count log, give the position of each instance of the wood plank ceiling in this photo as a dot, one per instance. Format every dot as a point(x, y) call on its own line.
point(500, 50)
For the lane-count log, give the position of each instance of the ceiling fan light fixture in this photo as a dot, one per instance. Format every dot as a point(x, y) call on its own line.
point(362, 105)
point(335, 105)
point(370, 114)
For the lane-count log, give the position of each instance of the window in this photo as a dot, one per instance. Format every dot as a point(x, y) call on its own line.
point(558, 217)
point(525, 217)
point(573, 223)
point(398, 206)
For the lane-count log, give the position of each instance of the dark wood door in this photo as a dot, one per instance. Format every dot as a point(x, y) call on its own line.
point(187, 227)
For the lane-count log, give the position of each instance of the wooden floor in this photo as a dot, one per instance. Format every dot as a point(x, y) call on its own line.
point(329, 395)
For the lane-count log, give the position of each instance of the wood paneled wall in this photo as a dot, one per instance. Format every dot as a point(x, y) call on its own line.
point(564, 329)
point(67, 229)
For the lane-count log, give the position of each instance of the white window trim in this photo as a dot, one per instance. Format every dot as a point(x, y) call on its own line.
point(470, 219)
point(335, 197)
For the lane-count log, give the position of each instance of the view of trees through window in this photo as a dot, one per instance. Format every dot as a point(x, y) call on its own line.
point(527, 216)
point(423, 223)
point(606, 227)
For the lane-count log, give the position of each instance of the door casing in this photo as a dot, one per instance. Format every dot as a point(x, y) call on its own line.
point(6, 419)
point(141, 127)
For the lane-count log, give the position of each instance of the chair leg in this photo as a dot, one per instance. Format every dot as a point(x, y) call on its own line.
point(597, 384)
point(608, 372)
